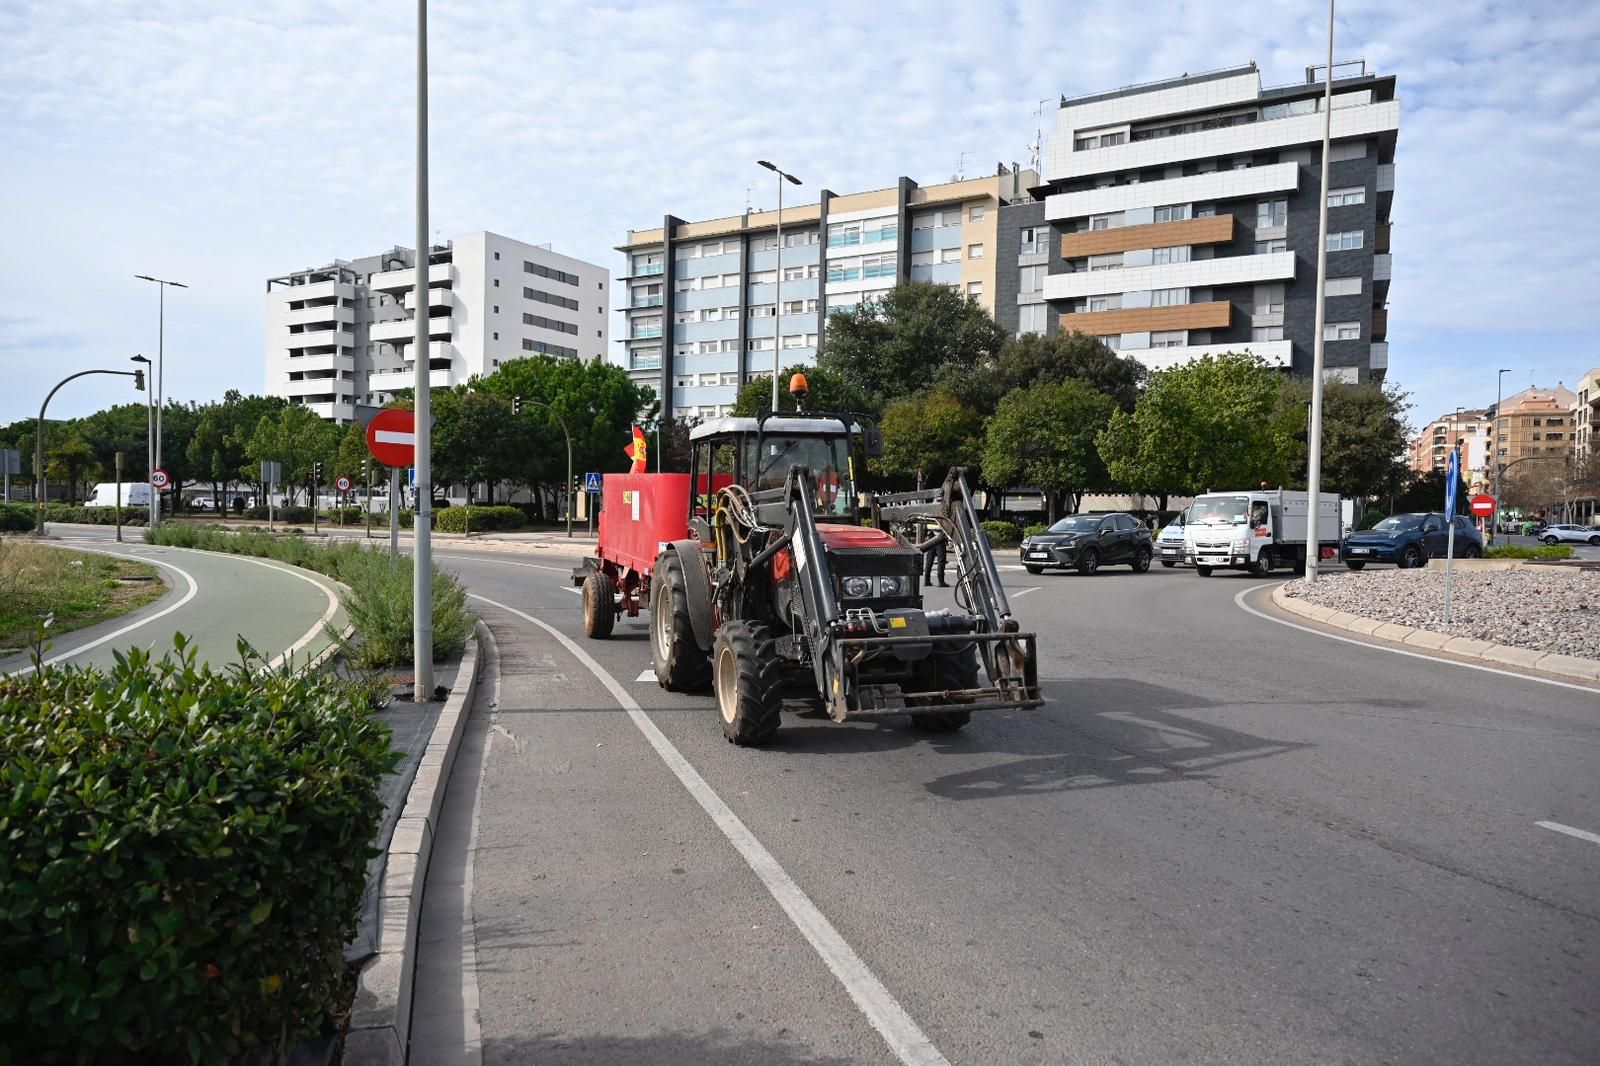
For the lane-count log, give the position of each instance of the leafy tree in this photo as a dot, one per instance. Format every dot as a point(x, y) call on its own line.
point(178, 425)
point(218, 450)
point(123, 428)
point(1034, 358)
point(909, 338)
point(298, 439)
point(477, 439)
point(927, 433)
point(1213, 423)
point(1363, 436)
point(826, 390)
point(1044, 436)
point(1425, 492)
point(69, 459)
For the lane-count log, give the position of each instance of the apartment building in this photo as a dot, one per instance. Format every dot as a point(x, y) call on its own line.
point(1535, 423)
point(1180, 218)
point(341, 335)
point(1470, 430)
point(1586, 418)
point(730, 314)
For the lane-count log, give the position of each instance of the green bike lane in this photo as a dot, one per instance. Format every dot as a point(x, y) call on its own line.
point(214, 600)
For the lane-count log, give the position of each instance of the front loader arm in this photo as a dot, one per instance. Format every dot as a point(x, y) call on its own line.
point(815, 580)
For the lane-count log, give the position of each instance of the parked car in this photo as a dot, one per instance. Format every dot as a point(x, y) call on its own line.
point(1570, 534)
point(1169, 542)
point(1410, 540)
point(1086, 542)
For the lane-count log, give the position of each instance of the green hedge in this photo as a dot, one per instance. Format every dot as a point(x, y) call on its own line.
point(1000, 534)
point(380, 599)
point(460, 519)
point(1518, 551)
point(1038, 529)
point(15, 517)
point(287, 515)
point(185, 854)
point(90, 516)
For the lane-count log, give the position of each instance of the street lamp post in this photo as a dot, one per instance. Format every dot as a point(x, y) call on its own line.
point(1314, 474)
point(1499, 469)
point(38, 441)
point(422, 541)
point(777, 288)
point(149, 441)
point(160, 381)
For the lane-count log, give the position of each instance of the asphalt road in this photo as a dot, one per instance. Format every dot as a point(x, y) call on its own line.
point(1224, 839)
point(213, 600)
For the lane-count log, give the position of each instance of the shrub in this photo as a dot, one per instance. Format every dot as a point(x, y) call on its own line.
point(1035, 530)
point(352, 516)
point(1518, 551)
point(15, 518)
point(1000, 534)
point(460, 519)
point(287, 515)
point(379, 601)
point(1371, 518)
point(93, 516)
point(185, 857)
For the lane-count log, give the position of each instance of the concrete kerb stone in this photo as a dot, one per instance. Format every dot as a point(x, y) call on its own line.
point(379, 1033)
point(1564, 667)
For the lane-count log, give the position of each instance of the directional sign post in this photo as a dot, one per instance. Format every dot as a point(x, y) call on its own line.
point(1452, 484)
point(591, 485)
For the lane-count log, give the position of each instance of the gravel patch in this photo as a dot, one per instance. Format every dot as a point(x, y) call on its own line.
point(1548, 609)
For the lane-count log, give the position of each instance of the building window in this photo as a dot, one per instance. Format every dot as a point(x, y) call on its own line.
point(1099, 303)
point(974, 251)
point(1341, 331)
point(497, 257)
point(497, 309)
point(1266, 333)
point(1269, 299)
point(1161, 256)
point(1106, 262)
point(1172, 213)
point(1035, 239)
point(497, 283)
point(1031, 279)
point(759, 344)
point(1174, 338)
point(1031, 318)
point(794, 307)
point(1538, 421)
point(1269, 247)
point(976, 214)
point(1272, 213)
point(794, 273)
point(1100, 222)
point(1344, 287)
point(794, 340)
point(1347, 197)
point(974, 288)
point(1346, 240)
point(763, 310)
point(1111, 340)
point(1169, 297)
point(497, 336)
point(1554, 422)
point(1538, 436)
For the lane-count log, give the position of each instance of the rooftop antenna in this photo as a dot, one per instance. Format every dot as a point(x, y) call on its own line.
point(748, 189)
point(961, 166)
point(1038, 135)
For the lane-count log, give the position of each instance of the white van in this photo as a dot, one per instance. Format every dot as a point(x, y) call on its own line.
point(134, 494)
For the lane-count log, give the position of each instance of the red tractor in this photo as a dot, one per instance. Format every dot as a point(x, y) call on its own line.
point(765, 584)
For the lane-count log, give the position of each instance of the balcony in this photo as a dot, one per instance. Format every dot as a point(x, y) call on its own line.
point(1379, 359)
point(1216, 229)
point(330, 314)
point(1197, 188)
point(322, 386)
point(317, 290)
point(1215, 315)
point(437, 298)
point(323, 338)
point(1275, 353)
point(328, 361)
point(648, 301)
point(1382, 267)
point(404, 279)
point(1380, 244)
point(645, 332)
point(1198, 273)
point(1380, 323)
point(1386, 177)
point(337, 411)
point(647, 270)
point(402, 330)
point(395, 380)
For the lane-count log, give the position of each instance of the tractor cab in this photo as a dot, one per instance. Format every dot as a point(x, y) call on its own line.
point(758, 453)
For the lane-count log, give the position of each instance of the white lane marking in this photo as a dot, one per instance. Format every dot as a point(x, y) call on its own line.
point(1024, 592)
point(646, 675)
point(471, 1029)
point(194, 588)
point(1239, 601)
point(909, 1043)
point(1581, 834)
point(569, 588)
point(503, 562)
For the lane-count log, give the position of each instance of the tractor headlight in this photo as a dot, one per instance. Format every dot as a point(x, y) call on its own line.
point(894, 586)
point(857, 588)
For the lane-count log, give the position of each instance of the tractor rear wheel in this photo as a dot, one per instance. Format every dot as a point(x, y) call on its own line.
point(747, 677)
point(953, 670)
point(680, 664)
point(599, 605)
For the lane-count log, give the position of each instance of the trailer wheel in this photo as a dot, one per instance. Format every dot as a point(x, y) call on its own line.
point(680, 664)
point(953, 669)
point(599, 605)
point(747, 677)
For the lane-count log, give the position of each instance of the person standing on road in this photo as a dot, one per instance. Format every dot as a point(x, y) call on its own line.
point(935, 554)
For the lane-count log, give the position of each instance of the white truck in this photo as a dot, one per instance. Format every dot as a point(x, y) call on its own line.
point(134, 494)
point(1257, 530)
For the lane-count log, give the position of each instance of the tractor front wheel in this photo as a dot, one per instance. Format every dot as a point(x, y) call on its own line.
point(748, 680)
point(680, 664)
point(953, 670)
point(599, 605)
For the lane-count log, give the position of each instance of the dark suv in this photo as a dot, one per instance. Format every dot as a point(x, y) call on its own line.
point(1410, 540)
point(1089, 541)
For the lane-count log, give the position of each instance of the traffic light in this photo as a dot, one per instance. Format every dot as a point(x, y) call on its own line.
point(316, 469)
point(516, 405)
point(138, 380)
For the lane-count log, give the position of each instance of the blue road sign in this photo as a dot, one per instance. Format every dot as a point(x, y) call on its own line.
point(591, 482)
point(1452, 484)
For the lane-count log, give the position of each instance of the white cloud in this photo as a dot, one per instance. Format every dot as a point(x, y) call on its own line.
point(222, 145)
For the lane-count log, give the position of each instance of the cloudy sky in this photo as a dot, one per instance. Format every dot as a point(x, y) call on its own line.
point(223, 143)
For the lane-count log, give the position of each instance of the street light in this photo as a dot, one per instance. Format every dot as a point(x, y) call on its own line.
point(160, 382)
point(1499, 470)
point(149, 439)
point(42, 493)
point(777, 299)
point(1314, 473)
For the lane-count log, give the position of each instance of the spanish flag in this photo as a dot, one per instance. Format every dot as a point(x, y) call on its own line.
point(638, 451)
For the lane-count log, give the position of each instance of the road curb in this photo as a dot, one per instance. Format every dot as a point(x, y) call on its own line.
point(380, 1018)
point(1549, 664)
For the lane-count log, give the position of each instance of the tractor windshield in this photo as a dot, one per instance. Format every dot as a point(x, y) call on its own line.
point(828, 459)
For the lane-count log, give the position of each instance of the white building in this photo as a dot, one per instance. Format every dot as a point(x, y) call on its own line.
point(341, 335)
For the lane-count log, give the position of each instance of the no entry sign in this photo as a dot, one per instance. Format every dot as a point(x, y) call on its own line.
point(392, 437)
point(1483, 505)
